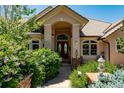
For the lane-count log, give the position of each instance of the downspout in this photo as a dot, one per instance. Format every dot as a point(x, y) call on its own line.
point(108, 47)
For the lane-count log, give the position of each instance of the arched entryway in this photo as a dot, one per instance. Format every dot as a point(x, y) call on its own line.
point(63, 46)
point(62, 32)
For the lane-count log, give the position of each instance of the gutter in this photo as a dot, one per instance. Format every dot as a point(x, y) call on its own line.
point(108, 46)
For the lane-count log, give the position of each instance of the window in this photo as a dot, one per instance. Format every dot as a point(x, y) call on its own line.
point(35, 44)
point(120, 44)
point(89, 47)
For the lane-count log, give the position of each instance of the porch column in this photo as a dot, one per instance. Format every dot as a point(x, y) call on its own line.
point(76, 42)
point(48, 36)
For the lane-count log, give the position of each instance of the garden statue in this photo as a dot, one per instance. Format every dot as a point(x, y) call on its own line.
point(101, 67)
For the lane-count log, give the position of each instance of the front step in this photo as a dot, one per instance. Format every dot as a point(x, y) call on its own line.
point(65, 64)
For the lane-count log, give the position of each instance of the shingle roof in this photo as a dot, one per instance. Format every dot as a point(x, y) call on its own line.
point(94, 28)
point(113, 27)
point(45, 11)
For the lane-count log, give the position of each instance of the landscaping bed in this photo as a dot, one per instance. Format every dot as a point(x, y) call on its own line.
point(79, 78)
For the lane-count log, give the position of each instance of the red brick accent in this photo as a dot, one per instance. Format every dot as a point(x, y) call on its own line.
point(26, 82)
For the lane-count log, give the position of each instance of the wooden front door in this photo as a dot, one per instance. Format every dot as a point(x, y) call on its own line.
point(62, 48)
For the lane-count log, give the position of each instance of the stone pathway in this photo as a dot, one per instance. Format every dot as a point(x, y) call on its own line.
point(61, 81)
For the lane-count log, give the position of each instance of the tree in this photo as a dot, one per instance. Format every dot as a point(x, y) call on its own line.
point(15, 12)
point(14, 42)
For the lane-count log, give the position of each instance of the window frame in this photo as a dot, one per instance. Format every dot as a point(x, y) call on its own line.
point(116, 45)
point(35, 43)
point(89, 49)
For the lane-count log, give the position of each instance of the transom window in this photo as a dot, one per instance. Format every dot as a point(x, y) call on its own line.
point(89, 47)
point(35, 44)
point(62, 37)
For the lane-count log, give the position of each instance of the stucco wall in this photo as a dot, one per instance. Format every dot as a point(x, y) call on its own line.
point(36, 36)
point(75, 26)
point(115, 57)
point(61, 17)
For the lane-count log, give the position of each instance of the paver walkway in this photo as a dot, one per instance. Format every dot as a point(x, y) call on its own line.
point(61, 81)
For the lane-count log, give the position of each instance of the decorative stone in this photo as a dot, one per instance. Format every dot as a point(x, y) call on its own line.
point(94, 76)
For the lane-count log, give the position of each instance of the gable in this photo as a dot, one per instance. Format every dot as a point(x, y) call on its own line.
point(59, 9)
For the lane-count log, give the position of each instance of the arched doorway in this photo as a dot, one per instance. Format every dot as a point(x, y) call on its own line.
point(62, 32)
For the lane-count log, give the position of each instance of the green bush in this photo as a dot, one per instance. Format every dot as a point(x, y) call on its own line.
point(38, 77)
point(88, 67)
point(13, 83)
point(78, 81)
point(9, 75)
point(110, 68)
point(50, 59)
point(38, 71)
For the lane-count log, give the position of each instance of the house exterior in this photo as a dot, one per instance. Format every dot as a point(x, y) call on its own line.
point(77, 38)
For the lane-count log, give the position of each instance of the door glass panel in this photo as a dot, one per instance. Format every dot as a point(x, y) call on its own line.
point(65, 48)
point(60, 47)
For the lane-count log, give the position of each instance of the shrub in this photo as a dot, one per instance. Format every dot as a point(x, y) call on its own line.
point(110, 68)
point(88, 67)
point(50, 59)
point(115, 80)
point(78, 81)
point(9, 75)
point(11, 84)
point(38, 77)
point(38, 71)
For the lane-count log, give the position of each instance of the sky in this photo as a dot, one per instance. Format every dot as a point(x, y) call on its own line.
point(107, 13)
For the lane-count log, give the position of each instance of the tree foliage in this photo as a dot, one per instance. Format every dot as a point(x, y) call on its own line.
point(15, 12)
point(14, 40)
